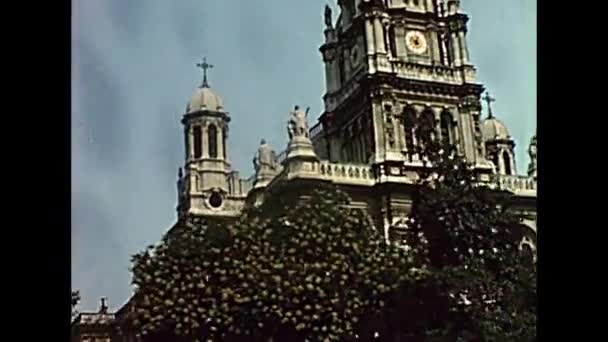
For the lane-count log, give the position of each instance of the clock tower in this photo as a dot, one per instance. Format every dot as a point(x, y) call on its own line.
point(388, 62)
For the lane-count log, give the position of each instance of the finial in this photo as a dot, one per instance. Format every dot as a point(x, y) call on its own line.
point(263, 141)
point(489, 99)
point(180, 173)
point(204, 65)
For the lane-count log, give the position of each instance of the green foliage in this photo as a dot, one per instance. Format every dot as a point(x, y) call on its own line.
point(308, 267)
point(468, 237)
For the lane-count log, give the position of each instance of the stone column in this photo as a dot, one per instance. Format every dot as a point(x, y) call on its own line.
point(464, 51)
point(379, 33)
point(429, 6)
point(513, 166)
point(501, 162)
point(189, 143)
point(456, 49)
point(328, 77)
point(454, 127)
point(369, 36)
point(400, 41)
point(435, 46)
point(225, 144)
point(205, 141)
point(387, 38)
point(467, 136)
point(218, 141)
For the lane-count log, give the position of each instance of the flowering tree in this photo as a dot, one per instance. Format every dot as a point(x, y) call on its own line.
point(307, 267)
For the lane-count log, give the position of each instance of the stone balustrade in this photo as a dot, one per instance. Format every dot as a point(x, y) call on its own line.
point(520, 185)
point(346, 173)
point(434, 73)
point(360, 174)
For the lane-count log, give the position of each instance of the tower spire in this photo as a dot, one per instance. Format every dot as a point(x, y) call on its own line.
point(489, 99)
point(204, 65)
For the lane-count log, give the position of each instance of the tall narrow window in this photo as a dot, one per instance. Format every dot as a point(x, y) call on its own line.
point(342, 66)
point(224, 136)
point(507, 160)
point(392, 41)
point(427, 124)
point(212, 143)
point(198, 141)
point(187, 143)
point(446, 128)
point(409, 123)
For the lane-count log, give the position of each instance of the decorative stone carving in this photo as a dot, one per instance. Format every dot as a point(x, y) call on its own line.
point(297, 126)
point(265, 159)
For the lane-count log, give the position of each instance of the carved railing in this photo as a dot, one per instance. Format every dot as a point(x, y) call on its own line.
point(433, 72)
point(346, 173)
point(515, 184)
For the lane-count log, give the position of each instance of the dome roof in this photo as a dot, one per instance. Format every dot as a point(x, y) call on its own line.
point(205, 99)
point(494, 129)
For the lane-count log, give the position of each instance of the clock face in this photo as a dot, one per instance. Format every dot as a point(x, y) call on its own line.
point(416, 42)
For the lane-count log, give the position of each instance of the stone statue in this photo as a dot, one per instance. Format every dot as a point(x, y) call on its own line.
point(328, 22)
point(265, 159)
point(180, 181)
point(297, 126)
point(532, 153)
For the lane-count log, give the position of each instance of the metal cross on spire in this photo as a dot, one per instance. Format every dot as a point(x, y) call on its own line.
point(489, 99)
point(204, 65)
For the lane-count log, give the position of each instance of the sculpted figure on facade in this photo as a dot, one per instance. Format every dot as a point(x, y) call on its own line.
point(532, 153)
point(328, 22)
point(265, 159)
point(297, 126)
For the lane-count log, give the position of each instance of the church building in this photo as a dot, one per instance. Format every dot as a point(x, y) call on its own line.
point(387, 62)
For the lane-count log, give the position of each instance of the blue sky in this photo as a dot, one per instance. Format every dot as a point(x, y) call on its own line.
point(133, 71)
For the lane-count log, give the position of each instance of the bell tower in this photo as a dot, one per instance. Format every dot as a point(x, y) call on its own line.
point(388, 62)
point(499, 145)
point(206, 185)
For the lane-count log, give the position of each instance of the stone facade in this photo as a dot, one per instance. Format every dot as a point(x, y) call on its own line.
point(386, 62)
point(94, 326)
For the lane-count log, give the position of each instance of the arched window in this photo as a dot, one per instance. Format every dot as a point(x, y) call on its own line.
point(212, 143)
point(198, 141)
point(507, 160)
point(427, 124)
point(447, 131)
point(495, 161)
